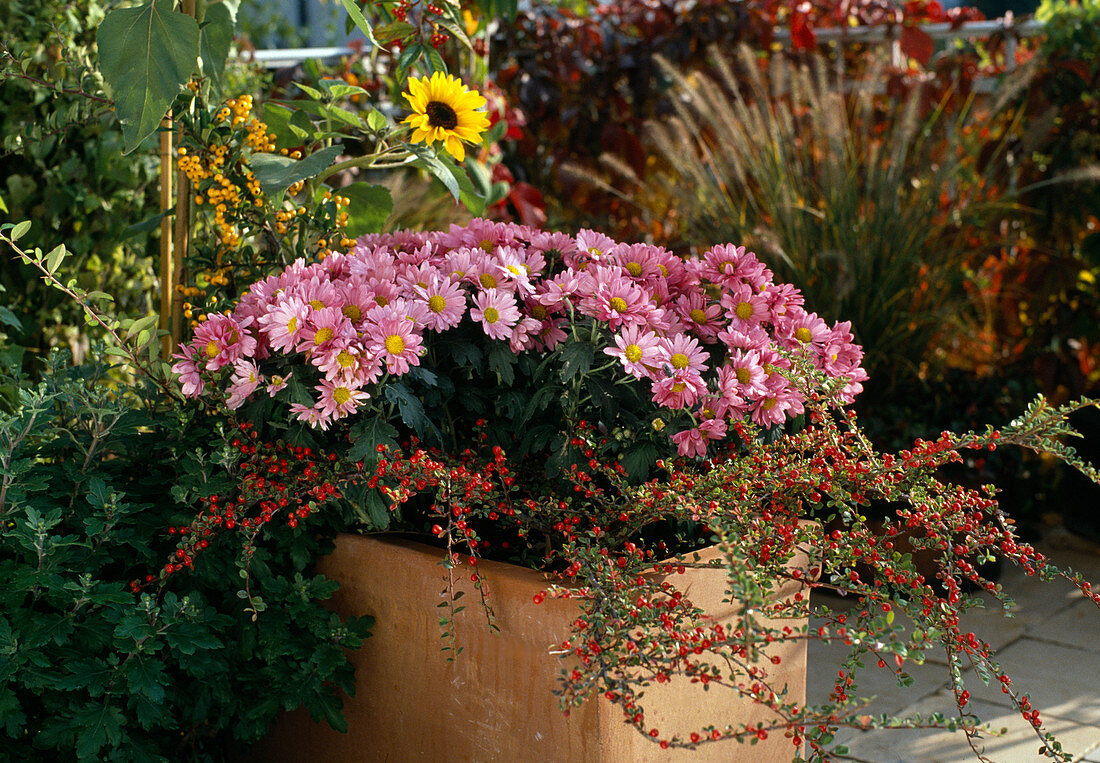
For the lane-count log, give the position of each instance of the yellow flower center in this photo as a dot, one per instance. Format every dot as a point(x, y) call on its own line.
point(381, 301)
point(492, 315)
point(352, 313)
point(634, 268)
point(292, 324)
point(345, 359)
point(437, 303)
point(699, 316)
point(316, 304)
point(395, 345)
point(341, 395)
point(539, 312)
point(486, 246)
point(663, 269)
point(743, 310)
point(441, 115)
point(633, 353)
point(803, 334)
point(678, 387)
point(743, 375)
point(769, 403)
point(211, 349)
point(323, 335)
point(594, 251)
point(618, 304)
point(515, 271)
point(679, 360)
point(487, 281)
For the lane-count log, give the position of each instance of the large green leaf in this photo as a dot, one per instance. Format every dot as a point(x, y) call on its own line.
point(276, 173)
point(215, 37)
point(369, 208)
point(146, 55)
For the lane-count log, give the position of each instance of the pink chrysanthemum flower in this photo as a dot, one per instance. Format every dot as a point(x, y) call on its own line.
point(246, 377)
point(356, 298)
point(282, 325)
point(800, 329)
point(382, 292)
point(745, 309)
point(639, 350)
point(411, 278)
point(488, 274)
point(514, 268)
point(691, 443)
point(461, 265)
point(592, 245)
point(311, 415)
point(550, 334)
point(743, 375)
point(339, 362)
point(325, 329)
point(683, 353)
point(554, 247)
point(779, 402)
point(639, 262)
point(277, 383)
point(191, 383)
point(723, 264)
point(338, 399)
point(700, 315)
point(615, 299)
point(318, 292)
point(221, 340)
point(446, 303)
point(396, 342)
point(497, 312)
point(524, 335)
point(680, 390)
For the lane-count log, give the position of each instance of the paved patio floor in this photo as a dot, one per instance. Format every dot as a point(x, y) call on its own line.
point(1051, 650)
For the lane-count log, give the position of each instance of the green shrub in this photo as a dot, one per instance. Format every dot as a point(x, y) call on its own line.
point(101, 655)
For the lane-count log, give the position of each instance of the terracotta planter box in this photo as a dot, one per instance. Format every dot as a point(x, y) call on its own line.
point(494, 701)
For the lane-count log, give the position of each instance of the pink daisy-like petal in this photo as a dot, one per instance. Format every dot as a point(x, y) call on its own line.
point(497, 312)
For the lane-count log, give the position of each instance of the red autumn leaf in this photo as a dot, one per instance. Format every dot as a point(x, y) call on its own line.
point(802, 35)
point(917, 43)
point(529, 204)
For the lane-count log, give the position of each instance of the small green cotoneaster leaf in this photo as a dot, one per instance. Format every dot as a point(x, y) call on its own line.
point(54, 258)
point(19, 230)
point(146, 55)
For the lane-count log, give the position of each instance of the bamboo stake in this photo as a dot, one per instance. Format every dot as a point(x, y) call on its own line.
point(174, 241)
point(167, 283)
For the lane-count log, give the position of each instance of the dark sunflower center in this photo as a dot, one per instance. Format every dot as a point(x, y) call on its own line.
point(441, 115)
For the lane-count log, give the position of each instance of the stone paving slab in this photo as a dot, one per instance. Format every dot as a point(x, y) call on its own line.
point(1062, 681)
point(1018, 745)
point(1050, 648)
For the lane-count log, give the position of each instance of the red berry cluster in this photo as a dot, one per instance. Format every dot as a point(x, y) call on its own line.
point(273, 480)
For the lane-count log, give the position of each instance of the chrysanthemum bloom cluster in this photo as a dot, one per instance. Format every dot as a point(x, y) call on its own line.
point(711, 336)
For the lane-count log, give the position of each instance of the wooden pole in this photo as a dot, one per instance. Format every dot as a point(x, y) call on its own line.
point(174, 240)
point(167, 282)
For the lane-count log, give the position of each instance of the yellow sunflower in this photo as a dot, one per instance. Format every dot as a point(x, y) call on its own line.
point(445, 110)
